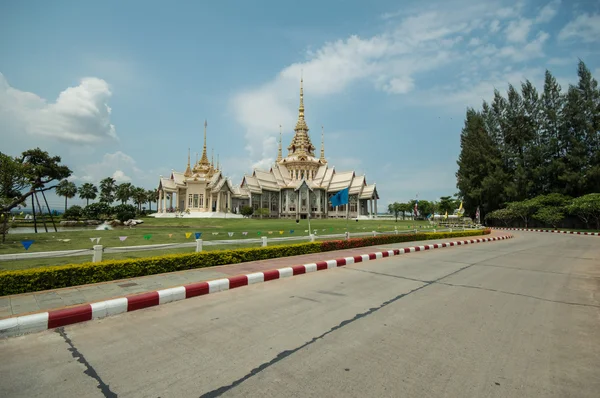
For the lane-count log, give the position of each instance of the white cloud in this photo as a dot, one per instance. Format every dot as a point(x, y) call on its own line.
point(585, 27)
point(118, 165)
point(518, 30)
point(475, 41)
point(79, 115)
point(120, 177)
point(548, 12)
point(533, 49)
point(399, 85)
point(494, 26)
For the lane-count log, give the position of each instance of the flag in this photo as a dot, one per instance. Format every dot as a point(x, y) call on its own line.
point(188, 234)
point(230, 233)
point(477, 214)
point(460, 209)
point(340, 198)
point(416, 209)
point(148, 236)
point(122, 238)
point(198, 235)
point(26, 244)
point(446, 216)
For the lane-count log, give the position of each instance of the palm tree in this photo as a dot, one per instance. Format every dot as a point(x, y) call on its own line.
point(67, 189)
point(107, 190)
point(151, 196)
point(88, 191)
point(123, 192)
point(139, 197)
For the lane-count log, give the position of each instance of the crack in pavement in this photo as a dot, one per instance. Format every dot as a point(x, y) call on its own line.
point(384, 274)
point(519, 294)
point(541, 270)
point(284, 354)
point(89, 370)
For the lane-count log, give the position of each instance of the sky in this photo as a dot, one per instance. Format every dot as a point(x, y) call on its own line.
point(122, 89)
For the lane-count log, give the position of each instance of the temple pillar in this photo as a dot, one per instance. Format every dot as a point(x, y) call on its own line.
point(171, 200)
point(370, 204)
point(158, 201)
point(219, 201)
point(228, 201)
point(298, 207)
point(375, 206)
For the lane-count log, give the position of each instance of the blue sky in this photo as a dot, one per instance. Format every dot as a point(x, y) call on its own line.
point(123, 88)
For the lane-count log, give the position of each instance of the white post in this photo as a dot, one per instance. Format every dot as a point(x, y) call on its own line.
point(312, 237)
point(264, 241)
point(396, 231)
point(374, 233)
point(450, 229)
point(198, 245)
point(97, 254)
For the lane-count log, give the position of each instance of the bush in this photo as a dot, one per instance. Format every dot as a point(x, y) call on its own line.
point(73, 213)
point(124, 212)
point(246, 211)
point(97, 211)
point(44, 278)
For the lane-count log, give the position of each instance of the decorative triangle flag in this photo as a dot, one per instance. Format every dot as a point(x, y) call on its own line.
point(306, 230)
point(92, 240)
point(147, 237)
point(26, 244)
point(188, 234)
point(270, 232)
point(230, 233)
point(258, 233)
point(170, 235)
point(325, 229)
point(198, 235)
point(280, 232)
point(98, 240)
point(215, 233)
point(122, 238)
point(244, 233)
point(291, 231)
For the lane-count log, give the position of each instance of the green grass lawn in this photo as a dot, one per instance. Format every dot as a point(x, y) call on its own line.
point(160, 229)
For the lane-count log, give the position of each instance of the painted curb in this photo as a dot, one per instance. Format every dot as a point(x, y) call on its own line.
point(549, 230)
point(38, 322)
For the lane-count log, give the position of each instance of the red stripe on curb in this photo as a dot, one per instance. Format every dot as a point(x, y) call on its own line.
point(143, 300)
point(69, 316)
point(357, 259)
point(298, 269)
point(238, 281)
point(385, 254)
point(196, 289)
point(321, 265)
point(406, 250)
point(340, 262)
point(372, 256)
point(396, 252)
point(271, 275)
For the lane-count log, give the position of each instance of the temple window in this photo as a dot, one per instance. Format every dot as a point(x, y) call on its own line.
point(195, 200)
point(190, 200)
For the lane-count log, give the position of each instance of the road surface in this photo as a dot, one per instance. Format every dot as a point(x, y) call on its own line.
point(516, 318)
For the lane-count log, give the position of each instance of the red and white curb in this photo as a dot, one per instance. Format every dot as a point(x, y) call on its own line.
point(86, 312)
point(550, 230)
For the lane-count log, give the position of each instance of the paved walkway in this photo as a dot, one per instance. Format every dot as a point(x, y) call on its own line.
point(26, 303)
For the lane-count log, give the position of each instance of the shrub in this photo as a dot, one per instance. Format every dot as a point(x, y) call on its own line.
point(124, 212)
point(44, 278)
point(73, 213)
point(97, 211)
point(246, 211)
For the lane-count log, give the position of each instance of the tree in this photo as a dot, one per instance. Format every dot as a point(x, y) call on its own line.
point(123, 192)
point(503, 215)
point(395, 209)
point(152, 197)
point(246, 211)
point(446, 204)
point(549, 215)
point(139, 197)
point(67, 189)
point(88, 191)
point(587, 208)
point(523, 210)
point(107, 190)
point(124, 212)
point(73, 213)
point(21, 177)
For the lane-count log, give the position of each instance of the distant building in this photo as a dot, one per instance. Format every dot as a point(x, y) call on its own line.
point(295, 186)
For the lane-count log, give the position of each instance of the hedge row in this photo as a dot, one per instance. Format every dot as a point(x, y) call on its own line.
point(54, 277)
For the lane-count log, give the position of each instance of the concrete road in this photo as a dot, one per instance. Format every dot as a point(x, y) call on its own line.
point(517, 318)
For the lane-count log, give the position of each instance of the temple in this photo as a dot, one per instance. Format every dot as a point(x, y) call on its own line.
point(296, 186)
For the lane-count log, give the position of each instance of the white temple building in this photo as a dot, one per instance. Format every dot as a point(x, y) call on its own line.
point(295, 186)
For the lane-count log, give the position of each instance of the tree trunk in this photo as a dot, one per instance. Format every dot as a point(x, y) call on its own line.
point(65, 204)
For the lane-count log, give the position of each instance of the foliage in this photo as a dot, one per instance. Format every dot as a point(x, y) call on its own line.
point(527, 144)
point(73, 213)
point(124, 212)
point(88, 191)
point(523, 210)
point(587, 208)
point(550, 215)
point(67, 189)
point(97, 211)
point(139, 197)
point(246, 211)
point(44, 278)
point(123, 192)
point(151, 197)
point(395, 209)
point(107, 190)
point(503, 215)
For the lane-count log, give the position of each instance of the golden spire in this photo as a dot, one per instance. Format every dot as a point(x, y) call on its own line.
point(301, 107)
point(196, 157)
point(322, 159)
point(218, 164)
point(204, 159)
point(188, 171)
point(212, 158)
point(279, 157)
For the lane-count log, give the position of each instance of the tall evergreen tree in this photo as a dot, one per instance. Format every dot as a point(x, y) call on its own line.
point(550, 128)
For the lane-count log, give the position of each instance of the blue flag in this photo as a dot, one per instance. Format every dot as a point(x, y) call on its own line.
point(26, 244)
point(340, 198)
point(198, 235)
